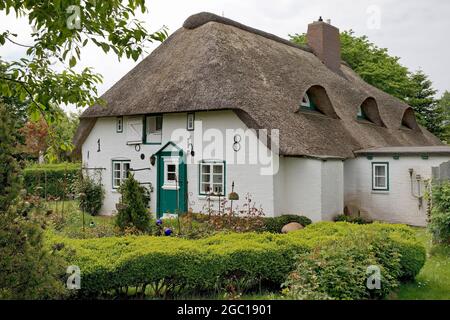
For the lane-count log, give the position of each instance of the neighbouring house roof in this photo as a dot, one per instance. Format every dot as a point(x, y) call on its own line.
point(213, 63)
point(435, 150)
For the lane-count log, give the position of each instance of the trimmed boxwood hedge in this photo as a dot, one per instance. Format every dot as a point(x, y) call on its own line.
point(275, 224)
point(109, 264)
point(36, 175)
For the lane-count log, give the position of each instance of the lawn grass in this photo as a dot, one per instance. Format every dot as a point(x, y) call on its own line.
point(68, 221)
point(433, 282)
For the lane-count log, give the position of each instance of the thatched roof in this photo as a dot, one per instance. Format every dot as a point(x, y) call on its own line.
point(434, 150)
point(213, 63)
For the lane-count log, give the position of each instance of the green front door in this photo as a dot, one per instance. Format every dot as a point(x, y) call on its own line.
point(171, 175)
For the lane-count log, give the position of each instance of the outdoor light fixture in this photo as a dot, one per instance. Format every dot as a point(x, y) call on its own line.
point(191, 148)
point(152, 160)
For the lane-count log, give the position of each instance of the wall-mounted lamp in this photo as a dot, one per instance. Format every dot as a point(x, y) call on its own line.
point(152, 160)
point(191, 149)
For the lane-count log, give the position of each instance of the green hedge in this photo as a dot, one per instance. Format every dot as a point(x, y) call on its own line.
point(109, 264)
point(274, 225)
point(55, 174)
point(336, 268)
point(194, 265)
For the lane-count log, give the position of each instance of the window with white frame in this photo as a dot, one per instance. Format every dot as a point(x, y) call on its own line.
point(171, 179)
point(190, 121)
point(153, 125)
point(212, 178)
point(380, 176)
point(119, 124)
point(120, 171)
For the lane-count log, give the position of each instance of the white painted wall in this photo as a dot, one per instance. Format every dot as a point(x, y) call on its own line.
point(297, 187)
point(332, 189)
point(314, 188)
point(396, 205)
point(247, 177)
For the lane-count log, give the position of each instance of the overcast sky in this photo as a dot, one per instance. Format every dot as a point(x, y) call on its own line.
point(415, 30)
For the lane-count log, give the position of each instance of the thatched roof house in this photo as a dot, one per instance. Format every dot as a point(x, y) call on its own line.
point(344, 146)
point(214, 63)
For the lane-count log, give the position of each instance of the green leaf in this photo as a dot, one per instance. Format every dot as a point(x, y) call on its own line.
point(72, 62)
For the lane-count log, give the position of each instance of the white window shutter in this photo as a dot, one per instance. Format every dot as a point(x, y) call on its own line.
point(134, 130)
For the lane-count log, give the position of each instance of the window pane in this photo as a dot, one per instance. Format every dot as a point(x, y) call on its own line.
point(204, 187)
point(117, 166)
point(380, 171)
point(206, 168)
point(380, 182)
point(171, 176)
point(206, 178)
point(126, 170)
point(171, 168)
point(217, 169)
point(158, 124)
point(217, 178)
point(217, 188)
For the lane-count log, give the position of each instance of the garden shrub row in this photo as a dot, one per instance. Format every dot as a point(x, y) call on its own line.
point(274, 225)
point(49, 179)
point(109, 264)
point(337, 268)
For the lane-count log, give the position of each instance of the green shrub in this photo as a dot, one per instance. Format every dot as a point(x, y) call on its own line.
point(49, 179)
point(133, 211)
point(336, 270)
point(90, 194)
point(274, 225)
point(27, 269)
point(336, 267)
point(439, 225)
point(208, 264)
point(109, 265)
point(349, 219)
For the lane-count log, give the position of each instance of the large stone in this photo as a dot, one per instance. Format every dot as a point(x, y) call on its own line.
point(293, 226)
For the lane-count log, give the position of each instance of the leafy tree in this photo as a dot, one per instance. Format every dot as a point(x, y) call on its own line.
point(444, 108)
point(133, 211)
point(28, 270)
point(50, 140)
point(10, 183)
point(378, 68)
point(61, 29)
point(36, 137)
point(60, 137)
point(373, 64)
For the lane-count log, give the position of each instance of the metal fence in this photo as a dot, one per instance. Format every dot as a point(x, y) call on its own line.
point(441, 173)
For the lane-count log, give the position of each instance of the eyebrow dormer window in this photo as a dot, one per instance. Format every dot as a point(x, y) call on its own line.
point(361, 115)
point(368, 112)
point(316, 99)
point(307, 103)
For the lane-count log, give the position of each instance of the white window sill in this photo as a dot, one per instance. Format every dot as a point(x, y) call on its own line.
point(212, 198)
point(380, 192)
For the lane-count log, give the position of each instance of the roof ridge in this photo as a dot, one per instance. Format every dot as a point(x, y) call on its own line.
point(199, 19)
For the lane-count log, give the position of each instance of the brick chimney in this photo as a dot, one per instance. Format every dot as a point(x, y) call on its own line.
point(325, 41)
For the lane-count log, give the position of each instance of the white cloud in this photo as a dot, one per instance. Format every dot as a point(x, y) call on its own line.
point(414, 30)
